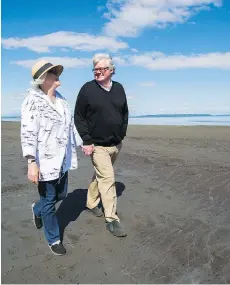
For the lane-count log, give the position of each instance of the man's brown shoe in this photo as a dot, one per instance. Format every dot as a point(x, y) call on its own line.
point(96, 212)
point(116, 229)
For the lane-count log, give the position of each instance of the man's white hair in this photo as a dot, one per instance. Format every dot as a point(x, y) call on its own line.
point(37, 82)
point(102, 56)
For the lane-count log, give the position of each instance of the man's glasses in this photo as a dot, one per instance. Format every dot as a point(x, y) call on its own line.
point(101, 69)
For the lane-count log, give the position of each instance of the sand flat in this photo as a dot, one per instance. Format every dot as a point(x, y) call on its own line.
point(173, 185)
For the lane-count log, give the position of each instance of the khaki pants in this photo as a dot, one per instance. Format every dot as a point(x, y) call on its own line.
point(103, 182)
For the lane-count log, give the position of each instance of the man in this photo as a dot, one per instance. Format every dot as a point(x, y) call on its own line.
point(101, 118)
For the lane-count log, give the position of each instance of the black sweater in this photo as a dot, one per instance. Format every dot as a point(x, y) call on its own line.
point(101, 117)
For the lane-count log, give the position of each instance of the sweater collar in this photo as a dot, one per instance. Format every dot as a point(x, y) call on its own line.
point(106, 88)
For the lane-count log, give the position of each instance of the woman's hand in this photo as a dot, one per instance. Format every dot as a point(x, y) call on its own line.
point(55, 85)
point(33, 172)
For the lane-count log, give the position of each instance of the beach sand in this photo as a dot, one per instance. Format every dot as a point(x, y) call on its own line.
point(173, 185)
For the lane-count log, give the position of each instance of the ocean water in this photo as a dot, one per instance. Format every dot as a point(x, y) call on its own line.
point(10, 119)
point(193, 120)
point(170, 120)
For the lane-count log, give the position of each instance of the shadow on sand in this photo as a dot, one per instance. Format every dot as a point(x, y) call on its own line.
point(74, 204)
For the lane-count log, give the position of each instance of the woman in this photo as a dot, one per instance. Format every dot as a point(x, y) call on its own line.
point(49, 140)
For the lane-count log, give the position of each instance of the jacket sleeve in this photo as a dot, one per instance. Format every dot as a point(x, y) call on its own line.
point(125, 118)
point(80, 117)
point(29, 127)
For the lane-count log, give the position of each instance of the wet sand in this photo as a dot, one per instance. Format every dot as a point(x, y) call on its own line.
point(173, 185)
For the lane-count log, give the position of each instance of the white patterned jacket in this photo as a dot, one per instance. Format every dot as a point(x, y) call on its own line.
point(49, 134)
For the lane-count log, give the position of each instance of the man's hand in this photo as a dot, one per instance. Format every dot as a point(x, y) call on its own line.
point(88, 149)
point(33, 172)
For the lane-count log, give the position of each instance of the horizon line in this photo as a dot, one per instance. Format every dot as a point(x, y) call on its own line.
point(155, 114)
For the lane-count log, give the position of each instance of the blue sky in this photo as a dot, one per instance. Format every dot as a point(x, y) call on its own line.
point(172, 56)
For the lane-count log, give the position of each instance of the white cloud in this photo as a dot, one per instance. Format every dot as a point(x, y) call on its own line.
point(147, 84)
point(134, 50)
point(62, 39)
point(129, 17)
point(160, 61)
point(119, 60)
point(67, 62)
point(151, 61)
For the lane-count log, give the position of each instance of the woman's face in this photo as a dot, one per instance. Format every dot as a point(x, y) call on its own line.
point(50, 80)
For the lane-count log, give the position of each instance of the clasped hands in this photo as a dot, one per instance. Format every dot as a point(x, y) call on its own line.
point(88, 149)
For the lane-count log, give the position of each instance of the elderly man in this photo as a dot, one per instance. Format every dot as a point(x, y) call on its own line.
point(101, 118)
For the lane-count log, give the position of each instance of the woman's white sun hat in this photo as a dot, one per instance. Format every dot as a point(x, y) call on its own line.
point(43, 66)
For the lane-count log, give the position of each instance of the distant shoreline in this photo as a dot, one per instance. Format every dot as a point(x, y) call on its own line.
point(156, 115)
point(166, 119)
point(180, 115)
point(16, 123)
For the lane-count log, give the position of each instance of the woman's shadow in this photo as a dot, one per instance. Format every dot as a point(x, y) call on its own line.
point(74, 204)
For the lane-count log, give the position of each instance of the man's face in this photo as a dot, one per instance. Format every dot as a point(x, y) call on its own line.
point(102, 71)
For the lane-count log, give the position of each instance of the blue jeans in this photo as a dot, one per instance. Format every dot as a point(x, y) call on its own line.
point(50, 193)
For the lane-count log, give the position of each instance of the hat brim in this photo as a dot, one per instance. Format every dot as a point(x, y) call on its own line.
point(58, 69)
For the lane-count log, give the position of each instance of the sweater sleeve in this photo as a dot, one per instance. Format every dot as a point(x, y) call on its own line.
point(80, 117)
point(125, 118)
point(29, 127)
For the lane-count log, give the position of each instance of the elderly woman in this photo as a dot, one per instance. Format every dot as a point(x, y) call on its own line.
point(49, 140)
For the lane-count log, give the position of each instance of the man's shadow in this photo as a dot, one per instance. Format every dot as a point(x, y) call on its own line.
point(74, 204)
